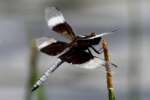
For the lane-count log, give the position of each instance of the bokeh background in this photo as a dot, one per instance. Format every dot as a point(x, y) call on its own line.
point(21, 21)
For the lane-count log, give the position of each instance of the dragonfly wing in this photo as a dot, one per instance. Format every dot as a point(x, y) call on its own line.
point(83, 59)
point(95, 63)
point(57, 23)
point(76, 56)
point(50, 46)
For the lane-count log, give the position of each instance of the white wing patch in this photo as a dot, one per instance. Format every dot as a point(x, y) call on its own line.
point(92, 64)
point(44, 41)
point(100, 35)
point(55, 21)
point(53, 16)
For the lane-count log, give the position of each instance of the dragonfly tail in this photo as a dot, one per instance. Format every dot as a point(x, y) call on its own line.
point(46, 74)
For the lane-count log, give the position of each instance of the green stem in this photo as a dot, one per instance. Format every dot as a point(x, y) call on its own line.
point(111, 94)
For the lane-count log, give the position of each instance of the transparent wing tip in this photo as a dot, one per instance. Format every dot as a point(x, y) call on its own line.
point(53, 16)
point(107, 33)
point(115, 29)
point(51, 11)
point(114, 65)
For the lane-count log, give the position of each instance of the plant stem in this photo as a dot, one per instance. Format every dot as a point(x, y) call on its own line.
point(33, 74)
point(110, 88)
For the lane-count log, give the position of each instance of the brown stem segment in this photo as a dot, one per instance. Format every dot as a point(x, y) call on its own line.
point(110, 88)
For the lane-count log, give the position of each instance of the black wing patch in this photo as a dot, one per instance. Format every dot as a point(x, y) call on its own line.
point(76, 56)
point(54, 48)
point(65, 30)
point(51, 46)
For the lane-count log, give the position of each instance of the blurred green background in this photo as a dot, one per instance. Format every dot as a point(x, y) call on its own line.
point(21, 21)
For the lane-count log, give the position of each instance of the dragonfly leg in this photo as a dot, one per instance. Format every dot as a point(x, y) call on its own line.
point(90, 52)
point(97, 51)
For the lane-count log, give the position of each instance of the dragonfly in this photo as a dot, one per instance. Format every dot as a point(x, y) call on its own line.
point(77, 51)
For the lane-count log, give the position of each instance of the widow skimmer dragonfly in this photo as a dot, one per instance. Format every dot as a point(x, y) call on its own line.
point(75, 52)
